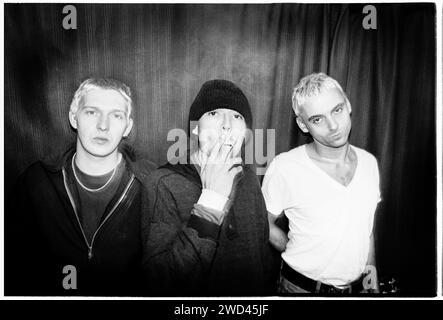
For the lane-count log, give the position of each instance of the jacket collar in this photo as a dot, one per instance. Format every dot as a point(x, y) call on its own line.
point(140, 167)
point(185, 168)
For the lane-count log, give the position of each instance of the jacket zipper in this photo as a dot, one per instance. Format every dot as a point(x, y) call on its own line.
point(71, 199)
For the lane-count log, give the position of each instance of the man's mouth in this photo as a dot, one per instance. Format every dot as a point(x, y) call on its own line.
point(228, 144)
point(101, 140)
point(227, 141)
point(336, 135)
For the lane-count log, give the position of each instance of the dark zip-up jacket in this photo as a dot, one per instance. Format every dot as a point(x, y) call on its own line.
point(44, 237)
point(190, 256)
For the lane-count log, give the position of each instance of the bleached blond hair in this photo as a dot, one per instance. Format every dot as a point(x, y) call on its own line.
point(311, 86)
point(103, 83)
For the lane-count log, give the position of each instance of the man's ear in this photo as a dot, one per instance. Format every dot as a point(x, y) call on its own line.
point(195, 130)
point(301, 124)
point(128, 128)
point(73, 119)
point(348, 105)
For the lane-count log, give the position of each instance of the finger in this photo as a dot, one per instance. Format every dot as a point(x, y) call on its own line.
point(214, 152)
point(225, 153)
point(238, 144)
point(234, 161)
point(235, 171)
point(235, 167)
point(203, 158)
point(237, 160)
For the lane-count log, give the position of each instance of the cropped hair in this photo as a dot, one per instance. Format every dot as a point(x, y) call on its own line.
point(311, 86)
point(103, 83)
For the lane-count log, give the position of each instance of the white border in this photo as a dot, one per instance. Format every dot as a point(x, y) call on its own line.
point(439, 134)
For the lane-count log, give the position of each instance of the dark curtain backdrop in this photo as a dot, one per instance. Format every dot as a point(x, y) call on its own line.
point(165, 52)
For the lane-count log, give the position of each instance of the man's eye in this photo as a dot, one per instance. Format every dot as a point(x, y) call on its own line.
point(212, 113)
point(238, 116)
point(316, 120)
point(118, 116)
point(338, 110)
point(90, 112)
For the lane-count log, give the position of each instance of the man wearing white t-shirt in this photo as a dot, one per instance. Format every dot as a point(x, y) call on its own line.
point(329, 192)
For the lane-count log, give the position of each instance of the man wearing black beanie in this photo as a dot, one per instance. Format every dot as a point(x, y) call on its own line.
point(207, 231)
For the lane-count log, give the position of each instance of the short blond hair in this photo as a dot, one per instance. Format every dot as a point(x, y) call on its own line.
point(311, 86)
point(103, 83)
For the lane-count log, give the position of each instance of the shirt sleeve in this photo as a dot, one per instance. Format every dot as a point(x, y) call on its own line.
point(209, 214)
point(377, 177)
point(274, 190)
point(212, 200)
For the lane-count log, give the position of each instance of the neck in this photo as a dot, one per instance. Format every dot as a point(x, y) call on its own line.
point(331, 154)
point(96, 166)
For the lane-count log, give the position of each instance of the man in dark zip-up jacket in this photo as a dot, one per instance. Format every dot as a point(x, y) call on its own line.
point(207, 230)
point(73, 224)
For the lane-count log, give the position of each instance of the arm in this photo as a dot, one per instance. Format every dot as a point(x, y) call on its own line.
point(371, 279)
point(371, 255)
point(277, 237)
point(276, 195)
point(178, 246)
point(370, 282)
point(181, 241)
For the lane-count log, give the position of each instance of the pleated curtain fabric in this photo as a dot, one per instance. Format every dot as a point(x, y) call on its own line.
point(164, 52)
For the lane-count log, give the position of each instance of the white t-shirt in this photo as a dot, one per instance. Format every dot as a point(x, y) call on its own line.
point(329, 224)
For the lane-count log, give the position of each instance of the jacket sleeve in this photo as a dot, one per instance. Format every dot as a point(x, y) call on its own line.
point(178, 246)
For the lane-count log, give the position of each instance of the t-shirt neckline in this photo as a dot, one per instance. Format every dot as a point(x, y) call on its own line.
point(327, 176)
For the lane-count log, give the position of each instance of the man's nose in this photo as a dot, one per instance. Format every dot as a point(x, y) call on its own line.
point(332, 124)
point(103, 123)
point(226, 122)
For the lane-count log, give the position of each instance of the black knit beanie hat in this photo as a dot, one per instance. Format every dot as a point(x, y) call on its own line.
point(218, 94)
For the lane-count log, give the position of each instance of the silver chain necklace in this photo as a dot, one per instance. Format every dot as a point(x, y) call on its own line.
point(85, 187)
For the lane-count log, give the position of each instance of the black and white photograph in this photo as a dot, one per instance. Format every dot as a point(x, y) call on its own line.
point(220, 150)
